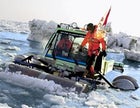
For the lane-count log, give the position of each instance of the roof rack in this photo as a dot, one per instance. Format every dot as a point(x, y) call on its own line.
point(68, 26)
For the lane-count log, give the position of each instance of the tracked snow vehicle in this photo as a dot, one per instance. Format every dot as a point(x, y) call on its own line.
point(66, 66)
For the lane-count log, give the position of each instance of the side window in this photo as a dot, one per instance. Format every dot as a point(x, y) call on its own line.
point(52, 44)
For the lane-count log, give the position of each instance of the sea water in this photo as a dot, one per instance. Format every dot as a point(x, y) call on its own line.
point(18, 91)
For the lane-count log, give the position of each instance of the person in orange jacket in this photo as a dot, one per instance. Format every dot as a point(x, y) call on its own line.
point(95, 40)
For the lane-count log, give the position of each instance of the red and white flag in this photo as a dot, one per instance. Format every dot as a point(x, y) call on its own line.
point(104, 19)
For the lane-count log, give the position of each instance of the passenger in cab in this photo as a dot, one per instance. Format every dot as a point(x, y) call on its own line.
point(63, 46)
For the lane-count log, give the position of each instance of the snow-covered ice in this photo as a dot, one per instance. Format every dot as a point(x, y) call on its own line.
point(59, 97)
point(14, 26)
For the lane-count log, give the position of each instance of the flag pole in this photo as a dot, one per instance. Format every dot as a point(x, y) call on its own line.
point(104, 19)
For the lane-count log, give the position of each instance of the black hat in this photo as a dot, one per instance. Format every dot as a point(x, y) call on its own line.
point(90, 26)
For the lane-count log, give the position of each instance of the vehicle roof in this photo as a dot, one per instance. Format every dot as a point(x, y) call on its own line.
point(72, 31)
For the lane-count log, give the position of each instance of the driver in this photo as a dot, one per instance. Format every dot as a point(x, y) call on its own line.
point(63, 46)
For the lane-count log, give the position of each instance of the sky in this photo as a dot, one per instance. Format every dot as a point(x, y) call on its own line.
point(124, 16)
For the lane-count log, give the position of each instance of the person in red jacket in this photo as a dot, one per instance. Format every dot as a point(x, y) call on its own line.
point(63, 46)
point(95, 40)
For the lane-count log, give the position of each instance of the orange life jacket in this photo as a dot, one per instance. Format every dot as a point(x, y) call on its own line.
point(95, 41)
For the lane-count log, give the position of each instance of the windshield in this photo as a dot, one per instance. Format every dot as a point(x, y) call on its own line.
point(66, 46)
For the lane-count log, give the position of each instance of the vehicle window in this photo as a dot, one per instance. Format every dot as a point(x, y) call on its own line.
point(53, 44)
point(66, 45)
point(75, 54)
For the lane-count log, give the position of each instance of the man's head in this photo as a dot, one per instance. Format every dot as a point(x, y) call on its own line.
point(90, 27)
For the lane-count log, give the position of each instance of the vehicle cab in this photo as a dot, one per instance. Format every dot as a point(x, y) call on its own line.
point(68, 57)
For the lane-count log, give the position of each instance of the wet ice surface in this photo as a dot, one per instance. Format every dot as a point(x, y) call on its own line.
point(20, 91)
